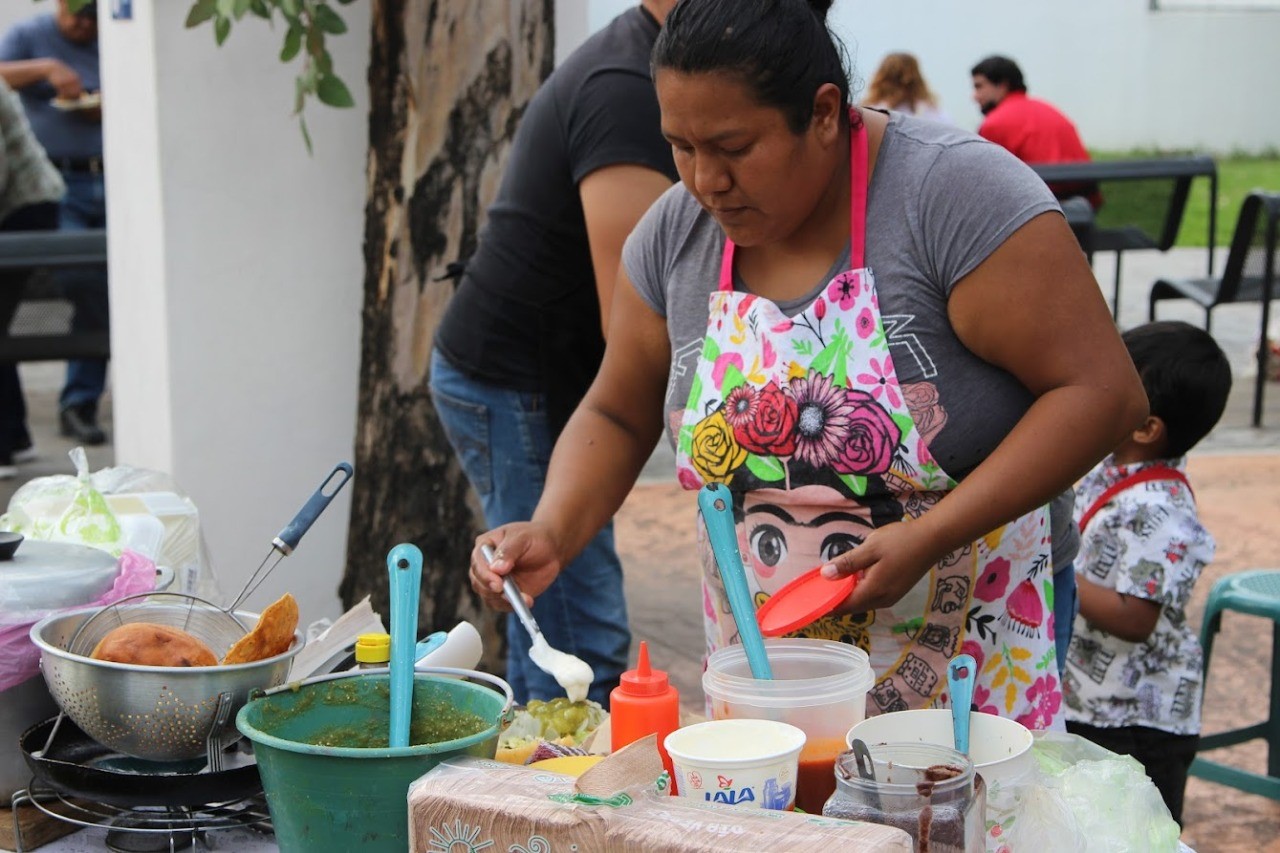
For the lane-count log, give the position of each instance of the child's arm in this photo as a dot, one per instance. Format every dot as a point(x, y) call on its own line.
point(1125, 616)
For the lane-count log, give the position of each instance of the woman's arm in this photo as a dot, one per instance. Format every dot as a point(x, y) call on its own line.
point(1033, 308)
point(596, 459)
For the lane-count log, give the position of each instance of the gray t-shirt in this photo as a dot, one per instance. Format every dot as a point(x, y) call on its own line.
point(940, 202)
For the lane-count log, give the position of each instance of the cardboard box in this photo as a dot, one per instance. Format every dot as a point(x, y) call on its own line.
point(473, 804)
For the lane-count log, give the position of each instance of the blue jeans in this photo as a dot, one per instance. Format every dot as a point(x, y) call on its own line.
point(84, 207)
point(502, 438)
point(1065, 607)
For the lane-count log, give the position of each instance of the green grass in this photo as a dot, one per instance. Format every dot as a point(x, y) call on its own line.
point(1237, 177)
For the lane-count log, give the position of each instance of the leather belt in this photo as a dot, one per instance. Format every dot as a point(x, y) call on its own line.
point(79, 164)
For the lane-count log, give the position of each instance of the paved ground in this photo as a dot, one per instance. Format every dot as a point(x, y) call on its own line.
point(1237, 477)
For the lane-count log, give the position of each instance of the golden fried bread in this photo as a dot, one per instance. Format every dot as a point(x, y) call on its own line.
point(148, 644)
point(271, 636)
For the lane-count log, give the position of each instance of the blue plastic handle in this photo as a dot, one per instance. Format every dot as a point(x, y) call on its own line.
point(960, 675)
point(716, 503)
point(404, 562)
point(291, 535)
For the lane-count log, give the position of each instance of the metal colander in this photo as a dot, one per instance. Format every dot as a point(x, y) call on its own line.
point(158, 713)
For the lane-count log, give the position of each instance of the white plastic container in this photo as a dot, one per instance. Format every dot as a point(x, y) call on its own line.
point(999, 748)
point(818, 686)
point(750, 763)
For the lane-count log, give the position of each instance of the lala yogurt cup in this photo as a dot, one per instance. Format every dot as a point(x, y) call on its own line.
point(738, 762)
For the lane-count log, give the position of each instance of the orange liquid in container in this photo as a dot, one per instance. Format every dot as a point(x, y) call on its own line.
point(816, 779)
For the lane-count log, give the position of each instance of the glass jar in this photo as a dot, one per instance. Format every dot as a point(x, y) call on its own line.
point(930, 791)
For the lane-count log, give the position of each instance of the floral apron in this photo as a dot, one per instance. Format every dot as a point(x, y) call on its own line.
point(804, 419)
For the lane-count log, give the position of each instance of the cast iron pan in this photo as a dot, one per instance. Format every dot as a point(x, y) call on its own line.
point(77, 765)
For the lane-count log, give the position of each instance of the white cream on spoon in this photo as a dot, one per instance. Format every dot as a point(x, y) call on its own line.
point(570, 672)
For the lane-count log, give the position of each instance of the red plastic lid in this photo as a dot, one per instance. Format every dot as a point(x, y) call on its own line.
point(802, 602)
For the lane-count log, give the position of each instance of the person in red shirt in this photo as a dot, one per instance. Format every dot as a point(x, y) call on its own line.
point(1033, 130)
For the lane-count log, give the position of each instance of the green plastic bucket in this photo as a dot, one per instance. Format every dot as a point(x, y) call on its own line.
point(355, 798)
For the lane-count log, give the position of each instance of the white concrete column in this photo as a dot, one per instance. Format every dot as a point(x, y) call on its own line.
point(236, 281)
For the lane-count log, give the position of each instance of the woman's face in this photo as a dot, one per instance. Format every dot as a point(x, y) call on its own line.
point(741, 160)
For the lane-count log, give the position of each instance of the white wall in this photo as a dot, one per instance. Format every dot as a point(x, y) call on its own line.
point(236, 282)
point(1129, 77)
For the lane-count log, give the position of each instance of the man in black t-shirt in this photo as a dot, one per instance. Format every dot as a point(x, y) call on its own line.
point(523, 336)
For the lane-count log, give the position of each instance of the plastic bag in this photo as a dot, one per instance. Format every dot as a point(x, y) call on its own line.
point(153, 517)
point(85, 520)
point(19, 657)
point(1080, 797)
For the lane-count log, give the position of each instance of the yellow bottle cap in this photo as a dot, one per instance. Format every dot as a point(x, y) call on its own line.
point(373, 648)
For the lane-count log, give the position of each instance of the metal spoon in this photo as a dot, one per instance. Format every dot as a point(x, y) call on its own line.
point(570, 672)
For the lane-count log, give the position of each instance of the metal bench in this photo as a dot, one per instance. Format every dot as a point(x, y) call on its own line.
point(1142, 202)
point(35, 309)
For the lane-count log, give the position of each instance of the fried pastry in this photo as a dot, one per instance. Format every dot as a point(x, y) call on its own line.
point(271, 636)
point(149, 644)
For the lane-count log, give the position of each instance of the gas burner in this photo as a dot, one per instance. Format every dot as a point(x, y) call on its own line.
point(136, 834)
point(147, 829)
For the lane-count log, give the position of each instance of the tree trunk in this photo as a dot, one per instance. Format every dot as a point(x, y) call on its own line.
point(448, 83)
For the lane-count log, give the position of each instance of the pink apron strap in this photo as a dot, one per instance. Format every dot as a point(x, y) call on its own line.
point(858, 194)
point(857, 207)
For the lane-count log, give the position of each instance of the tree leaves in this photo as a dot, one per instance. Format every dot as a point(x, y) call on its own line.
point(329, 20)
point(309, 21)
point(202, 11)
point(332, 91)
point(292, 43)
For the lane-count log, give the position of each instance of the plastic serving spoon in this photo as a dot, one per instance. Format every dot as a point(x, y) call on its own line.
point(404, 562)
point(570, 672)
point(960, 675)
point(716, 504)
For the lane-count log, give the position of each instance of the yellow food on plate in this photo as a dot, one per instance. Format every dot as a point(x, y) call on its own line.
point(149, 644)
point(271, 636)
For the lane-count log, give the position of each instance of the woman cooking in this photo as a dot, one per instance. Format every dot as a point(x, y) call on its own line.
point(907, 424)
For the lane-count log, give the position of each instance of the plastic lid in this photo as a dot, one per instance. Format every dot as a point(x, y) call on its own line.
point(373, 648)
point(802, 602)
point(644, 680)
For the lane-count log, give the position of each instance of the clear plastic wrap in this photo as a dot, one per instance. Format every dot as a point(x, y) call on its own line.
point(117, 508)
point(1080, 797)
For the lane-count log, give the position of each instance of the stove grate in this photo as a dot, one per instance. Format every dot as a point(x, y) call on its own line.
point(142, 829)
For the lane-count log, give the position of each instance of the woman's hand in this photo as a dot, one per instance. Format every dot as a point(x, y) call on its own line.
point(525, 550)
point(889, 562)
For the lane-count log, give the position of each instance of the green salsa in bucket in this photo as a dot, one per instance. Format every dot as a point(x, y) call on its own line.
point(332, 783)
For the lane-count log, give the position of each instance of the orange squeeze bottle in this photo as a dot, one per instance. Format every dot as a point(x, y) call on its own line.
point(644, 703)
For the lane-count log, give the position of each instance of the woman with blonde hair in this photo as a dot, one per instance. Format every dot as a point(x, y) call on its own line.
point(898, 85)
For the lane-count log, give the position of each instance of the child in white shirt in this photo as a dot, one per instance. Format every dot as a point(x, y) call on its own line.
point(1133, 682)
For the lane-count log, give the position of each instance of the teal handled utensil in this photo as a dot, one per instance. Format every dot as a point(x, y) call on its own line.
point(404, 562)
point(716, 504)
point(960, 674)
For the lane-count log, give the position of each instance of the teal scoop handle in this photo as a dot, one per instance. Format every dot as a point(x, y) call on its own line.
point(716, 503)
point(404, 563)
point(961, 671)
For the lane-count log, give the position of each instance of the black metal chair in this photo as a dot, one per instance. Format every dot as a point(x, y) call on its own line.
point(35, 309)
point(1142, 202)
point(1249, 276)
